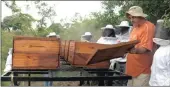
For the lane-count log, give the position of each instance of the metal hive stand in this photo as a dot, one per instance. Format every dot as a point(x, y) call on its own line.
point(117, 78)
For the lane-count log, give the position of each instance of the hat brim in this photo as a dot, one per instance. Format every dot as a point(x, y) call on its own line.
point(85, 35)
point(51, 35)
point(137, 15)
point(121, 26)
point(106, 28)
point(160, 41)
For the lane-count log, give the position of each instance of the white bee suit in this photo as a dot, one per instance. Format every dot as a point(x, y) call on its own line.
point(124, 37)
point(8, 65)
point(160, 69)
point(107, 40)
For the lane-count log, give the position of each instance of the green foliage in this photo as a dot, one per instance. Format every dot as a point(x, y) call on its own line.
point(154, 8)
point(166, 17)
point(18, 21)
point(56, 27)
point(46, 12)
point(42, 32)
point(102, 19)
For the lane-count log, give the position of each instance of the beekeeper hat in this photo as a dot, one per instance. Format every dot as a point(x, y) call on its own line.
point(162, 31)
point(87, 34)
point(53, 34)
point(136, 11)
point(162, 34)
point(161, 42)
point(109, 26)
point(123, 24)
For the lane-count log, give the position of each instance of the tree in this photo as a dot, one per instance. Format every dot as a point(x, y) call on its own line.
point(46, 12)
point(12, 6)
point(166, 17)
point(102, 19)
point(56, 27)
point(18, 21)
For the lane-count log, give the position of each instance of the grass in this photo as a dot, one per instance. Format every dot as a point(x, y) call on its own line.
point(2, 68)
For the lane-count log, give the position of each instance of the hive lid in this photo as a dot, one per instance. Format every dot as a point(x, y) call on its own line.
point(117, 50)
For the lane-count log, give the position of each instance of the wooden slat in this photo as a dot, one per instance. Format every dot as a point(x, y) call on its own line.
point(36, 46)
point(71, 53)
point(66, 50)
point(85, 47)
point(35, 38)
point(31, 61)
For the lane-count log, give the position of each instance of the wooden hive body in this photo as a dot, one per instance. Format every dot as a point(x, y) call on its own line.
point(79, 53)
point(87, 54)
point(35, 53)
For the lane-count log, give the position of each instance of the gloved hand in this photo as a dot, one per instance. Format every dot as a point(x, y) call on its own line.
point(112, 63)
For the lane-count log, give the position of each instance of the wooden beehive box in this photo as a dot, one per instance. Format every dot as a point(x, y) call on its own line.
point(80, 53)
point(35, 53)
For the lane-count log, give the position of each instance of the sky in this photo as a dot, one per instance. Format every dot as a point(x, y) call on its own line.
point(64, 9)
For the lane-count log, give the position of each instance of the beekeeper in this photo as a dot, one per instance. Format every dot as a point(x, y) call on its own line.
point(160, 69)
point(53, 34)
point(51, 73)
point(108, 37)
point(8, 65)
point(139, 58)
point(123, 33)
point(86, 37)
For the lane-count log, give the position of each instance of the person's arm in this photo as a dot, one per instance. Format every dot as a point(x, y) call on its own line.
point(138, 50)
